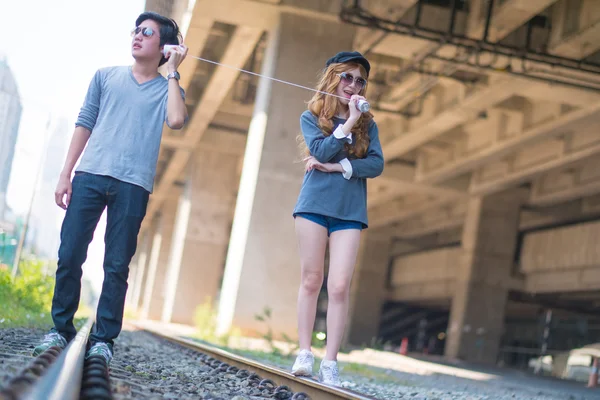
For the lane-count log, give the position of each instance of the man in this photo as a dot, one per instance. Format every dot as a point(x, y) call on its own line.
point(121, 122)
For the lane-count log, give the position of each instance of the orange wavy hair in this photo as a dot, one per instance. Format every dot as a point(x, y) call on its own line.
point(326, 107)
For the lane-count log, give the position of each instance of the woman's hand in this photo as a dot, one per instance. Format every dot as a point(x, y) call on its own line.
point(312, 163)
point(352, 107)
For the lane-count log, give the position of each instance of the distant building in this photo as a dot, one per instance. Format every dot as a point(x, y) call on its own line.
point(10, 117)
point(46, 218)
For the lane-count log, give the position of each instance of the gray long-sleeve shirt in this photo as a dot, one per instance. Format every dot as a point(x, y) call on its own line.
point(332, 194)
point(126, 120)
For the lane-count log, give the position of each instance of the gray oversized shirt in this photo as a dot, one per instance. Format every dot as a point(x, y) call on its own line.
point(126, 120)
point(330, 193)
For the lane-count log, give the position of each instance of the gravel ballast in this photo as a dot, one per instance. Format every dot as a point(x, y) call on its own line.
point(147, 367)
point(16, 345)
point(407, 378)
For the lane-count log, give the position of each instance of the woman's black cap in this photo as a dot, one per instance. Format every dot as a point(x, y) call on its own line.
point(349, 56)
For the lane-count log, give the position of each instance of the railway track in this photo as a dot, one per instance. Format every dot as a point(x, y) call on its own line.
point(56, 374)
point(65, 374)
point(302, 388)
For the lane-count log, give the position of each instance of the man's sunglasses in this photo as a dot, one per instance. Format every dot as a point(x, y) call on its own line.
point(146, 31)
point(347, 79)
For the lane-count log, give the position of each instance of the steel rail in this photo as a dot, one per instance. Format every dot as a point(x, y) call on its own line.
point(315, 390)
point(63, 379)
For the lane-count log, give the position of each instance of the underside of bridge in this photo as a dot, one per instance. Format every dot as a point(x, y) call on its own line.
point(484, 219)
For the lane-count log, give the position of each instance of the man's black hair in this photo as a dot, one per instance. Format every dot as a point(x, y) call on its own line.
point(169, 30)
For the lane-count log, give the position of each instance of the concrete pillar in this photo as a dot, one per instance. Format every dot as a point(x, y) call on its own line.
point(262, 267)
point(483, 276)
point(153, 296)
point(368, 289)
point(133, 271)
point(201, 236)
point(141, 268)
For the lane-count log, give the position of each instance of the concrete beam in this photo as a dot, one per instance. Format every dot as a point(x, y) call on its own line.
point(240, 47)
point(407, 91)
point(443, 218)
point(215, 139)
point(588, 82)
point(195, 39)
point(506, 17)
point(414, 187)
point(439, 290)
point(431, 227)
point(261, 15)
point(584, 40)
point(567, 95)
point(497, 144)
point(402, 94)
point(404, 46)
point(401, 209)
point(391, 125)
point(176, 142)
point(464, 110)
point(482, 133)
point(367, 38)
point(507, 145)
point(567, 184)
point(452, 215)
point(532, 218)
point(572, 280)
point(398, 179)
point(392, 116)
point(535, 160)
point(444, 289)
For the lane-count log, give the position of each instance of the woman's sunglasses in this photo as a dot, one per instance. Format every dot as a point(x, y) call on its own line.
point(347, 79)
point(146, 31)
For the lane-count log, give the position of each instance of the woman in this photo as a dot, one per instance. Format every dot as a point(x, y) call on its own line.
point(342, 149)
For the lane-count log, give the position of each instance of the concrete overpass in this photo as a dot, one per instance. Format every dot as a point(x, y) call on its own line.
point(491, 185)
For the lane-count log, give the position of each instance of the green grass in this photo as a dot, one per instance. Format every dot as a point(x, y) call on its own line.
point(26, 301)
point(371, 373)
point(275, 359)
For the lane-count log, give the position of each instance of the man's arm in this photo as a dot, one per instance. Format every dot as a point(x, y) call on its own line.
point(64, 187)
point(176, 111)
point(88, 115)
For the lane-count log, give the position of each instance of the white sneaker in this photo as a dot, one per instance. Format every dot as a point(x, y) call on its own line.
point(303, 366)
point(328, 373)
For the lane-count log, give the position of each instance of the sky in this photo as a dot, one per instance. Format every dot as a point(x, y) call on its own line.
point(53, 48)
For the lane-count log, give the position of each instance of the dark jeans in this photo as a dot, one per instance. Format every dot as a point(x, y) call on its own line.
point(126, 207)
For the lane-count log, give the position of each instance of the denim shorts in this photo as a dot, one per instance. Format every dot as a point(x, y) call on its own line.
point(330, 223)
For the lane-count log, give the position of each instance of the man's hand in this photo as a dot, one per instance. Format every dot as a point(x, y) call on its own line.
point(176, 57)
point(312, 163)
point(64, 187)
